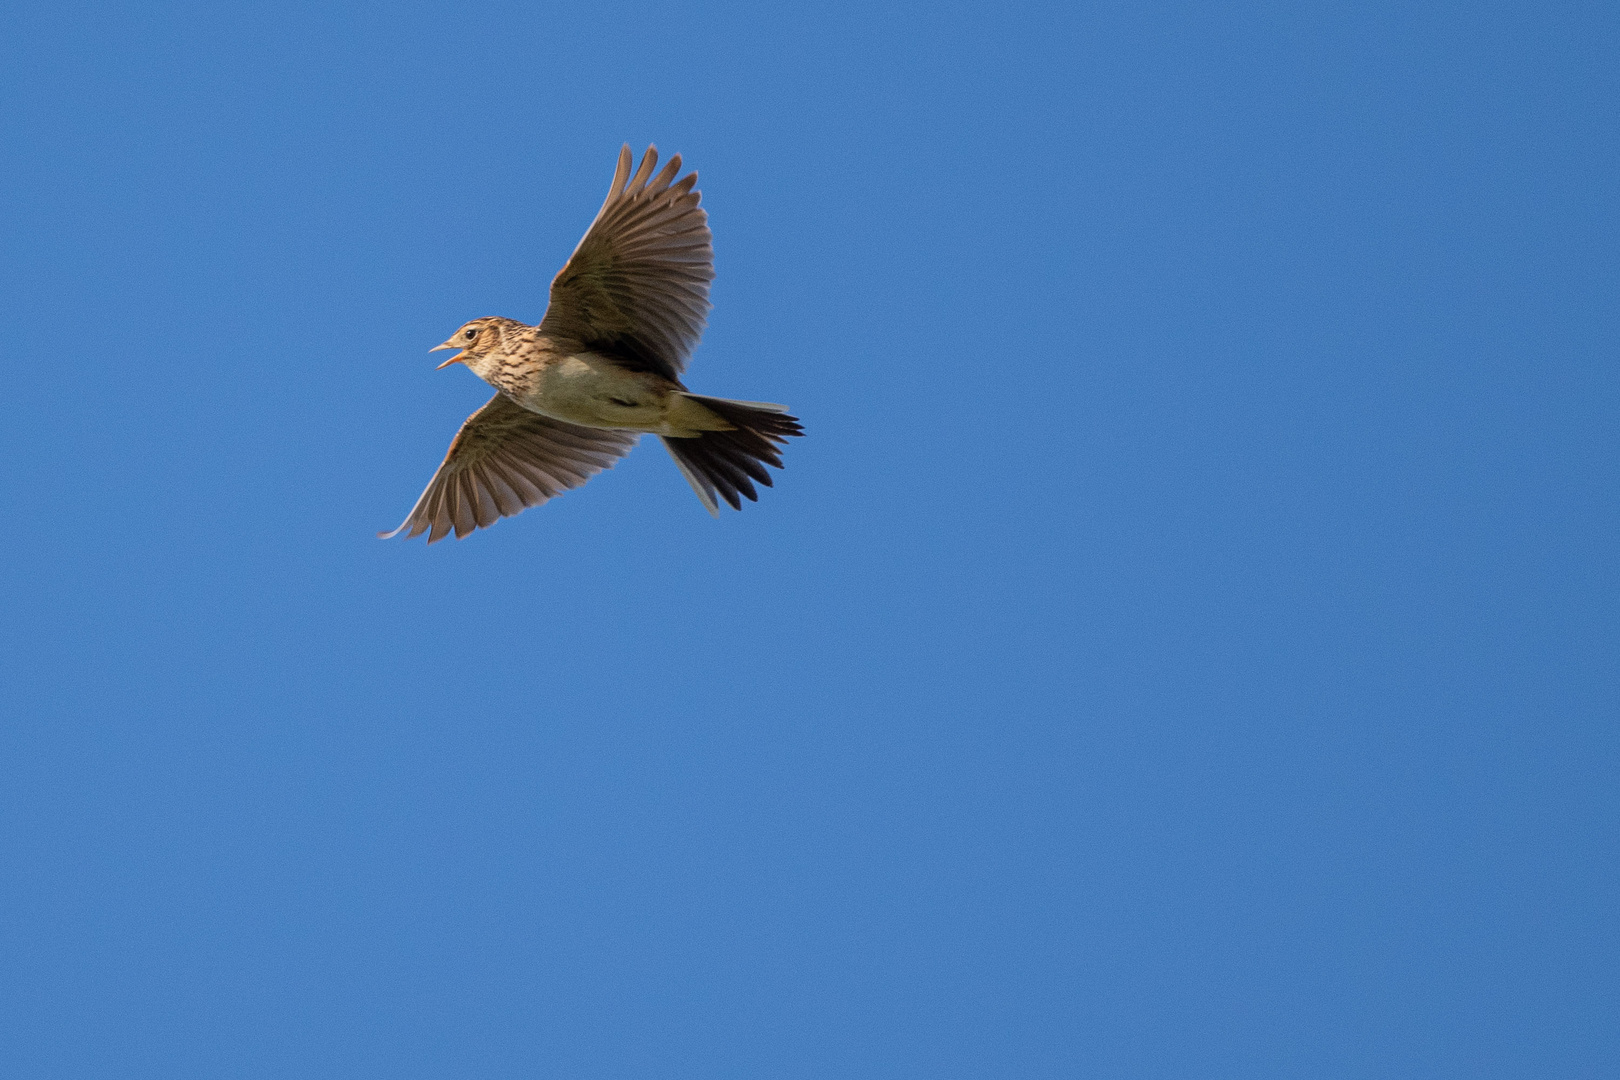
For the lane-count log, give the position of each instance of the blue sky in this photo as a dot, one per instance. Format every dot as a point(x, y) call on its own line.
point(1184, 644)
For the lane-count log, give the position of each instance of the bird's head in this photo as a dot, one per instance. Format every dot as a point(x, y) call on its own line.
point(475, 340)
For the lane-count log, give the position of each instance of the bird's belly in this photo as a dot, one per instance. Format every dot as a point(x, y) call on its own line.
point(593, 392)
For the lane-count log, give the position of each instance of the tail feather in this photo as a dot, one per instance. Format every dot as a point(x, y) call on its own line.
point(724, 464)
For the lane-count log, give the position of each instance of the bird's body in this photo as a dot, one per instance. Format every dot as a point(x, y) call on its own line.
point(572, 383)
point(574, 391)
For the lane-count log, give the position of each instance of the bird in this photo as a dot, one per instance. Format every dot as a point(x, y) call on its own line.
point(575, 392)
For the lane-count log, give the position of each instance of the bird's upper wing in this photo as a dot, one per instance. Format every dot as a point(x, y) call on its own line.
point(637, 287)
point(505, 459)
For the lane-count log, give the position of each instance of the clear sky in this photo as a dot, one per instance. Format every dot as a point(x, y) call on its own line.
point(1184, 645)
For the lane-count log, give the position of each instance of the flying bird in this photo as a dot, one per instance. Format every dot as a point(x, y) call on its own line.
point(574, 392)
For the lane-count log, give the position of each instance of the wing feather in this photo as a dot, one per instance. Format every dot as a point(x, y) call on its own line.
point(487, 513)
point(460, 512)
point(507, 501)
point(637, 286)
point(503, 460)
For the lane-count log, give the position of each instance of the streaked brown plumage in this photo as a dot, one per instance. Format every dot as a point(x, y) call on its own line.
point(574, 393)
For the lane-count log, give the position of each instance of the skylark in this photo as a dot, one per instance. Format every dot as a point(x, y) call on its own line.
point(575, 392)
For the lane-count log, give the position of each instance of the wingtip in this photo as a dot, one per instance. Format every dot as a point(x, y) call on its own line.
point(649, 161)
point(621, 172)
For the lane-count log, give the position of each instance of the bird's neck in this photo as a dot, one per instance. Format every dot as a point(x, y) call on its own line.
point(514, 365)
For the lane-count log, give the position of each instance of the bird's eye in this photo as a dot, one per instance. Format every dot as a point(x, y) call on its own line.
point(469, 335)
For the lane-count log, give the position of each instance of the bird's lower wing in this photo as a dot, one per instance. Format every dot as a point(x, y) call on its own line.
point(504, 460)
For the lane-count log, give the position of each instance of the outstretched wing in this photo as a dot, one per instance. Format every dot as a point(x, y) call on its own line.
point(637, 287)
point(505, 459)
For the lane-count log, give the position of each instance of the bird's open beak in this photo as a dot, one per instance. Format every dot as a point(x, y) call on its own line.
point(456, 359)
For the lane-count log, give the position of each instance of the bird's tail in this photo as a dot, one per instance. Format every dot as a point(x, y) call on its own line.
point(725, 463)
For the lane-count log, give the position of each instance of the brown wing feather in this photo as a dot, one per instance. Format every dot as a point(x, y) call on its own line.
point(503, 460)
point(637, 286)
